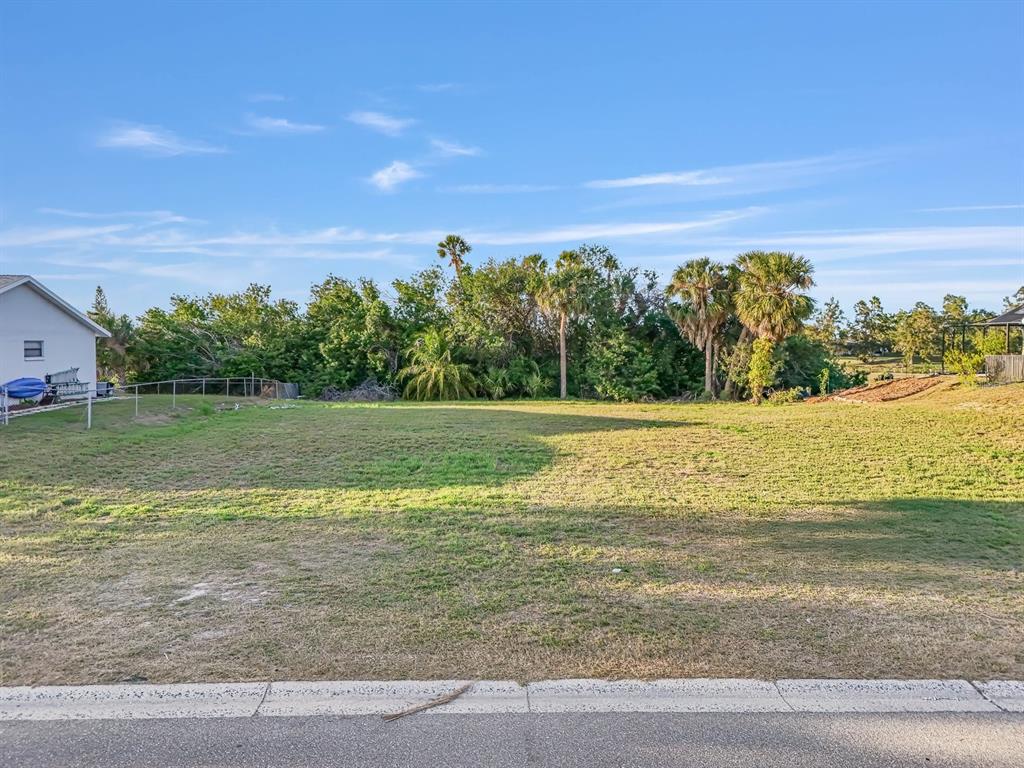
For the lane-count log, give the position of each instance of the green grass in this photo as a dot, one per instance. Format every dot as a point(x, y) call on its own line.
point(879, 365)
point(481, 540)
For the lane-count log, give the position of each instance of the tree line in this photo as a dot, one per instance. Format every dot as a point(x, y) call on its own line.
point(583, 326)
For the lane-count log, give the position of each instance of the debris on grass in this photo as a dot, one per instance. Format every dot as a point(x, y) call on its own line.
point(448, 697)
point(370, 391)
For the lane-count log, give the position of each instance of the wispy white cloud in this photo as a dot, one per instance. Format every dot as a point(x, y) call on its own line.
point(454, 149)
point(833, 244)
point(280, 125)
point(43, 236)
point(837, 244)
point(196, 272)
point(388, 179)
point(157, 217)
point(155, 140)
point(178, 240)
point(959, 208)
point(921, 248)
point(68, 276)
point(498, 189)
point(257, 98)
point(677, 179)
point(747, 178)
point(606, 230)
point(380, 122)
point(914, 266)
point(438, 87)
point(918, 290)
point(325, 242)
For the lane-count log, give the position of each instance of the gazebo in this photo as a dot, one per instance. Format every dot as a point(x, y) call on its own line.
point(1008, 366)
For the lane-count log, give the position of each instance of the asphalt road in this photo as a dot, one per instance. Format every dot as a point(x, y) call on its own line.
point(754, 740)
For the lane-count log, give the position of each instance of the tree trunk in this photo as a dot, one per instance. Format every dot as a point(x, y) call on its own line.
point(714, 368)
point(730, 385)
point(709, 368)
point(562, 358)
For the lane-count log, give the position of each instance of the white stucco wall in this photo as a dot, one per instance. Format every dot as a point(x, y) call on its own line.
point(67, 343)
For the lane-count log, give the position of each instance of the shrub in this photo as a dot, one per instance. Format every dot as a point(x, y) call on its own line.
point(763, 368)
point(966, 365)
point(784, 396)
point(804, 361)
point(823, 378)
point(855, 378)
point(620, 368)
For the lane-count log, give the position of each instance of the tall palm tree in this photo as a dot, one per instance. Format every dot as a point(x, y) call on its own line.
point(433, 374)
point(454, 250)
point(564, 293)
point(112, 352)
point(770, 298)
point(705, 292)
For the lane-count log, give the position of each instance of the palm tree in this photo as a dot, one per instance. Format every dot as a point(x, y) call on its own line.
point(564, 293)
point(705, 293)
point(770, 301)
point(769, 298)
point(432, 373)
point(454, 249)
point(112, 352)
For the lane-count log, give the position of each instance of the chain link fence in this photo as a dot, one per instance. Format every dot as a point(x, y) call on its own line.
point(152, 402)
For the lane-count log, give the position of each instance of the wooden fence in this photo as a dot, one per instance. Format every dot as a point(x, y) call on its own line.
point(1004, 368)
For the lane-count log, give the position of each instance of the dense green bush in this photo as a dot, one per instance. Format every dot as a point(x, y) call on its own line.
point(785, 396)
point(501, 328)
point(965, 364)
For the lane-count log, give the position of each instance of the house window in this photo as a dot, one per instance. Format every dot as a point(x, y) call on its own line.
point(33, 350)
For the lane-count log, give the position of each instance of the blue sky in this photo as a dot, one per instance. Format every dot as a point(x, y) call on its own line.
point(160, 148)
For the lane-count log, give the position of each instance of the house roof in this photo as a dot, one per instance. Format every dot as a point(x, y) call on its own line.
point(1014, 316)
point(5, 279)
point(9, 282)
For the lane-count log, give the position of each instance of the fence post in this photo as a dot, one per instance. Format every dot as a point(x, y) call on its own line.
point(136, 401)
point(174, 395)
point(204, 386)
point(6, 417)
point(88, 410)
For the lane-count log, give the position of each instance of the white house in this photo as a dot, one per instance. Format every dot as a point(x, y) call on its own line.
point(40, 333)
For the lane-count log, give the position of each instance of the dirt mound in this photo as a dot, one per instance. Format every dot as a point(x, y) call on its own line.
point(887, 390)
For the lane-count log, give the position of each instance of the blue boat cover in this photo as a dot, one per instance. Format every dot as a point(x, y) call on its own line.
point(22, 388)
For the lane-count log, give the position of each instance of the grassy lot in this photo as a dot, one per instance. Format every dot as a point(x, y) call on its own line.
point(888, 364)
point(515, 540)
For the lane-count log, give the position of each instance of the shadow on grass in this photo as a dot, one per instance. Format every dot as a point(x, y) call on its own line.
point(363, 448)
point(918, 530)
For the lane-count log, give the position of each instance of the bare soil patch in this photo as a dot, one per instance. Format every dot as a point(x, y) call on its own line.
point(889, 390)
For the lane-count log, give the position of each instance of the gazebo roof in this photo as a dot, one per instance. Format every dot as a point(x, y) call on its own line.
point(1014, 316)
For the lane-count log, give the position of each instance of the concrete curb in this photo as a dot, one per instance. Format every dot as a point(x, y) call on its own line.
point(121, 702)
point(378, 698)
point(693, 695)
point(356, 698)
point(1005, 694)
